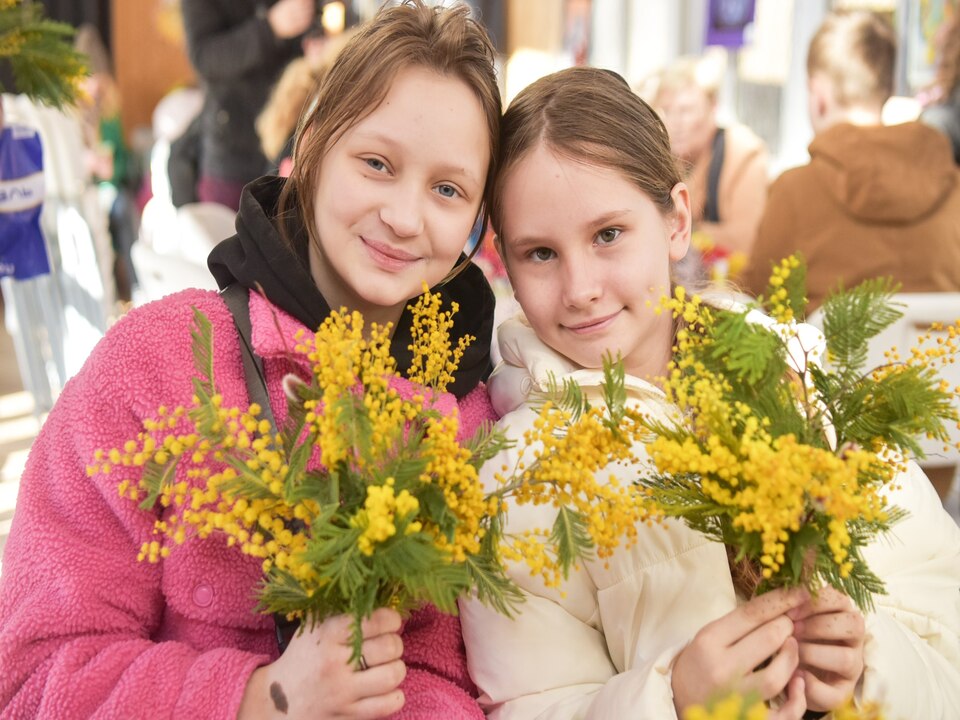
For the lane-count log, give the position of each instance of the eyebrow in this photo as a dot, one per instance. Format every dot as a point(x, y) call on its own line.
point(526, 241)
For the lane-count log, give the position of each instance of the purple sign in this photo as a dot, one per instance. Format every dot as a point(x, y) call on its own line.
point(23, 253)
point(726, 21)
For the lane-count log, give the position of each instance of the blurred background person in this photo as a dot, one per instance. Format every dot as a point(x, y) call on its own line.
point(874, 200)
point(238, 49)
point(943, 110)
point(725, 166)
point(107, 156)
point(277, 123)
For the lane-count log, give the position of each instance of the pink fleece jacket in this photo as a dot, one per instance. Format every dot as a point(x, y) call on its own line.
point(88, 631)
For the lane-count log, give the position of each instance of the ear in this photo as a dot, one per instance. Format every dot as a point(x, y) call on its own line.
point(679, 224)
point(819, 100)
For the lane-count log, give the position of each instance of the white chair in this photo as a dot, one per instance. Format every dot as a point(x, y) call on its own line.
point(171, 252)
point(920, 312)
point(171, 117)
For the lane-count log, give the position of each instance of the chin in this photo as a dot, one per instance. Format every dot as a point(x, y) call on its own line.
point(590, 361)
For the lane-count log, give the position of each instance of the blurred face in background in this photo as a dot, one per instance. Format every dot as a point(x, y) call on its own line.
point(690, 117)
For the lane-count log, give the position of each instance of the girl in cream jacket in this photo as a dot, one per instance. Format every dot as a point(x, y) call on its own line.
point(590, 214)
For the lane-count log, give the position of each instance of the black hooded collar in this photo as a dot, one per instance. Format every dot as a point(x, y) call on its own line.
point(257, 257)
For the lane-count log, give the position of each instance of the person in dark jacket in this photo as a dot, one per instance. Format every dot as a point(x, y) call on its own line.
point(238, 48)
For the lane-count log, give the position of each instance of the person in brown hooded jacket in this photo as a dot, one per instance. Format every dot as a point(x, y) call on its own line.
point(874, 200)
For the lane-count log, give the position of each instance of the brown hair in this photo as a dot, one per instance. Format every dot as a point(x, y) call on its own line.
point(411, 34)
point(856, 50)
point(592, 116)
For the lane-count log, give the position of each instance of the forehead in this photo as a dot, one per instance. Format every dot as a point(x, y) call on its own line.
point(682, 97)
point(432, 115)
point(546, 193)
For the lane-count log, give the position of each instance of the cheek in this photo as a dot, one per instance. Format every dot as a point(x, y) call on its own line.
point(454, 231)
point(538, 305)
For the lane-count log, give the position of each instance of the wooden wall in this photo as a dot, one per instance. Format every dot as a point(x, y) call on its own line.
point(149, 56)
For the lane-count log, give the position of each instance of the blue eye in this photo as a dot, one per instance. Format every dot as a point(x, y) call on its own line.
point(608, 235)
point(541, 254)
point(376, 163)
point(448, 191)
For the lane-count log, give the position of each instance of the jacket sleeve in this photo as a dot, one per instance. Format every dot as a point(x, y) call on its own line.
point(604, 647)
point(78, 612)
point(776, 238)
point(219, 51)
point(912, 650)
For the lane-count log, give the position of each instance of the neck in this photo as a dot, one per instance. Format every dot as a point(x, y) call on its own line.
point(653, 365)
point(860, 116)
point(341, 296)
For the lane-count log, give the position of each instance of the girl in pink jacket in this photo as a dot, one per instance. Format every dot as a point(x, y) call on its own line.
point(392, 168)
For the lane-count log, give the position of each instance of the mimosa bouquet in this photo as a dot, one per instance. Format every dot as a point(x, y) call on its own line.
point(783, 458)
point(365, 498)
point(737, 707)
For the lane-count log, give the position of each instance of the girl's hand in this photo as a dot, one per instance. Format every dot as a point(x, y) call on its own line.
point(315, 679)
point(725, 655)
point(831, 632)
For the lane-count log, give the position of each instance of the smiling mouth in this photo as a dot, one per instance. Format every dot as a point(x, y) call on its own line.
point(388, 256)
point(592, 325)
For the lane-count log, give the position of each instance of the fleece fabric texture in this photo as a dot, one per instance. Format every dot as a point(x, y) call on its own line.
point(873, 202)
point(88, 631)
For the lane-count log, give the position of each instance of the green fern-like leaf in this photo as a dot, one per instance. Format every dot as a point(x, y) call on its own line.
point(747, 351)
point(614, 389)
point(901, 407)
point(571, 539)
point(567, 396)
point(154, 479)
point(201, 343)
point(493, 588)
point(852, 317)
point(415, 564)
point(40, 52)
point(487, 442)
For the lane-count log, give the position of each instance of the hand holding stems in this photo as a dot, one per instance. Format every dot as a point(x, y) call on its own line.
point(314, 678)
point(727, 653)
point(289, 18)
point(831, 632)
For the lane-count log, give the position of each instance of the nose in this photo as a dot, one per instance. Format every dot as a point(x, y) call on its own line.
point(402, 211)
point(582, 283)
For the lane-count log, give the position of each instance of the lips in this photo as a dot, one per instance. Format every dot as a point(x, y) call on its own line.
point(388, 256)
point(593, 325)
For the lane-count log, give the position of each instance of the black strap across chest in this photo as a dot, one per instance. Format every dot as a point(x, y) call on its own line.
point(237, 298)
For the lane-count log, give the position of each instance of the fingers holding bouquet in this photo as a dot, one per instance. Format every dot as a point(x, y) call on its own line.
point(317, 676)
point(751, 648)
point(831, 633)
